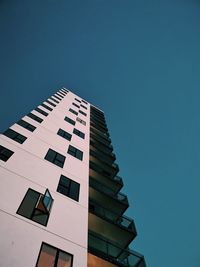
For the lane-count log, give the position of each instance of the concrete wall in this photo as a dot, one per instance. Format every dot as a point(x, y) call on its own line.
point(67, 226)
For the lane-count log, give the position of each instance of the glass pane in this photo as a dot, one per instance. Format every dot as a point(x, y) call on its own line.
point(64, 260)
point(47, 256)
point(47, 200)
point(74, 191)
point(28, 204)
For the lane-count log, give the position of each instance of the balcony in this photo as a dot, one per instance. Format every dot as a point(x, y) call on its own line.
point(114, 183)
point(111, 169)
point(113, 253)
point(97, 132)
point(109, 158)
point(108, 191)
point(120, 229)
point(101, 139)
point(117, 203)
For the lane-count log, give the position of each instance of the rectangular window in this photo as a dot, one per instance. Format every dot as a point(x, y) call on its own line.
point(57, 97)
point(47, 107)
point(70, 120)
point(64, 134)
point(36, 206)
point(84, 101)
point(54, 100)
point(60, 95)
point(50, 256)
point(83, 106)
point(34, 117)
point(41, 112)
point(19, 138)
point(5, 153)
point(50, 103)
point(26, 125)
point(79, 133)
point(68, 187)
point(81, 121)
point(77, 100)
point(73, 111)
point(55, 157)
point(83, 113)
point(75, 152)
point(75, 105)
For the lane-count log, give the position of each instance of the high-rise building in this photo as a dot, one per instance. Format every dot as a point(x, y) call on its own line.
point(60, 199)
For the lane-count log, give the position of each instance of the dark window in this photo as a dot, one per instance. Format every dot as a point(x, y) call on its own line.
point(34, 117)
point(83, 113)
point(53, 257)
point(54, 100)
point(83, 106)
point(50, 103)
point(19, 138)
point(75, 152)
point(73, 111)
point(60, 95)
point(84, 102)
point(55, 158)
point(75, 105)
point(42, 112)
point(26, 125)
point(79, 133)
point(81, 121)
point(64, 134)
point(36, 206)
point(70, 120)
point(5, 153)
point(68, 187)
point(77, 100)
point(65, 90)
point(57, 97)
point(47, 107)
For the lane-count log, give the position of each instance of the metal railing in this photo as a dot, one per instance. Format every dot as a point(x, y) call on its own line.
point(112, 252)
point(122, 221)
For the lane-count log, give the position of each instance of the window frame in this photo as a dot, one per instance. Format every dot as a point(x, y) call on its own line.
point(75, 152)
point(79, 133)
point(69, 120)
point(26, 125)
point(4, 149)
point(58, 250)
point(55, 157)
point(68, 188)
point(64, 134)
point(16, 136)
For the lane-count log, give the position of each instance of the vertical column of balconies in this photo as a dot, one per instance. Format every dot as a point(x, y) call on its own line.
point(110, 232)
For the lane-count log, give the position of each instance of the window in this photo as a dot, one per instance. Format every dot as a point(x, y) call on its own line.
point(62, 93)
point(75, 152)
point(36, 206)
point(64, 134)
point(84, 102)
point(68, 187)
point(47, 107)
point(70, 120)
point(19, 138)
point(42, 112)
point(5, 153)
point(83, 113)
point(83, 106)
point(75, 105)
point(77, 100)
point(81, 121)
point(26, 125)
point(73, 111)
point(59, 94)
point(55, 158)
point(54, 100)
point(53, 257)
point(34, 117)
point(57, 97)
point(79, 133)
point(50, 103)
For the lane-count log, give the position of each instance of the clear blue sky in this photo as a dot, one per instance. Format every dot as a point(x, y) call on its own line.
point(138, 60)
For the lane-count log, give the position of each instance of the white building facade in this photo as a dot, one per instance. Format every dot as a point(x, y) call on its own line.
point(60, 204)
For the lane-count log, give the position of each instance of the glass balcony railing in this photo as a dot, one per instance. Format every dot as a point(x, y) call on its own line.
point(124, 222)
point(113, 253)
point(106, 190)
